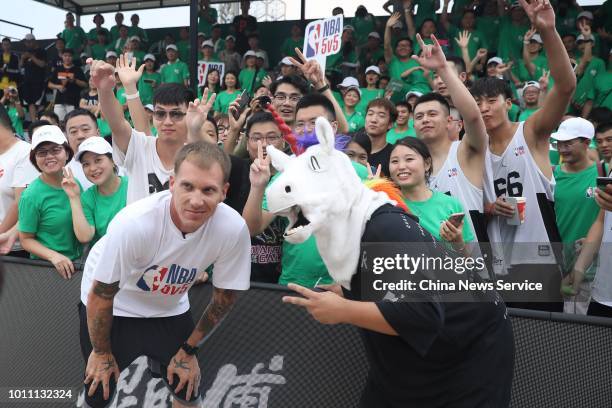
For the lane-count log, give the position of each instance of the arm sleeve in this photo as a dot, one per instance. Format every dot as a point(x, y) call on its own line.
point(29, 214)
point(233, 267)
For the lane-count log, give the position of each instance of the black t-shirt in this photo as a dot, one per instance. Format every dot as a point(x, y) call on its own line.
point(72, 93)
point(239, 184)
point(382, 157)
point(33, 72)
point(92, 100)
point(243, 26)
point(446, 354)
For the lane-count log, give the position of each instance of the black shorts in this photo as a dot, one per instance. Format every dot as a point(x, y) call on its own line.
point(157, 338)
point(32, 93)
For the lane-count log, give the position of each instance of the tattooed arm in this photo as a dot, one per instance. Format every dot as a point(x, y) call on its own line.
point(185, 366)
point(101, 364)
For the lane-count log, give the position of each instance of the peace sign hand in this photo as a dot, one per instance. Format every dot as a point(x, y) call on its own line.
point(259, 174)
point(326, 307)
point(540, 13)
point(432, 56)
point(69, 185)
point(198, 111)
point(311, 69)
point(376, 175)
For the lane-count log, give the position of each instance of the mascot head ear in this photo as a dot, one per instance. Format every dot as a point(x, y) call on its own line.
point(280, 160)
point(325, 135)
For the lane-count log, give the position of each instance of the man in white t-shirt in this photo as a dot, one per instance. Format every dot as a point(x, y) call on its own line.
point(148, 161)
point(16, 172)
point(137, 277)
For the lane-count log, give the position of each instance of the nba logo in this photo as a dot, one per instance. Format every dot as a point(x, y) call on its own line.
point(452, 172)
point(314, 34)
point(590, 192)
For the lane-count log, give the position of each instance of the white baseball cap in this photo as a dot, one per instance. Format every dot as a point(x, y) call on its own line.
point(208, 43)
point(583, 38)
point(111, 54)
point(496, 60)
point(286, 61)
point(171, 47)
point(201, 34)
point(536, 38)
point(260, 54)
point(149, 57)
point(373, 68)
point(95, 144)
point(413, 93)
point(573, 128)
point(534, 84)
point(230, 37)
point(585, 14)
point(348, 27)
point(29, 37)
point(374, 34)
point(135, 38)
point(353, 88)
point(250, 53)
point(349, 82)
point(149, 106)
point(48, 133)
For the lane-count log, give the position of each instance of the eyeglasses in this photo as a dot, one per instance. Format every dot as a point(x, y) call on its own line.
point(54, 151)
point(268, 139)
point(221, 129)
point(295, 98)
point(561, 145)
point(175, 115)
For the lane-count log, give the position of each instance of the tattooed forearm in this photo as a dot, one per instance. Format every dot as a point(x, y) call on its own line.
point(221, 303)
point(105, 290)
point(100, 315)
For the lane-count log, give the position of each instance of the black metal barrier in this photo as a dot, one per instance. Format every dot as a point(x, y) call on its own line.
point(269, 354)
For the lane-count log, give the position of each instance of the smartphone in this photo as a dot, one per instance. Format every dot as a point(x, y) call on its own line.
point(602, 182)
point(245, 100)
point(456, 219)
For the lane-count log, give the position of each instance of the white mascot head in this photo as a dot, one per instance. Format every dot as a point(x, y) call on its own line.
point(321, 195)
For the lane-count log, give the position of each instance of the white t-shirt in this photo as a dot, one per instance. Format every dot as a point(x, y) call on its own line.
point(16, 171)
point(77, 171)
point(143, 167)
point(156, 264)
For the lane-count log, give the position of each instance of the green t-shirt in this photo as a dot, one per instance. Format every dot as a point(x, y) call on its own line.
point(587, 81)
point(184, 48)
point(123, 100)
point(425, 9)
point(393, 135)
point(566, 24)
point(489, 26)
point(367, 58)
point(363, 27)
point(119, 45)
point(575, 207)
point(526, 113)
point(104, 127)
point(246, 79)
point(146, 86)
point(203, 25)
point(15, 120)
point(224, 99)
point(366, 96)
point(176, 72)
point(140, 32)
point(355, 121)
point(98, 51)
point(477, 40)
point(601, 93)
point(99, 209)
point(416, 81)
point(289, 45)
point(514, 112)
point(114, 33)
point(338, 97)
point(75, 38)
point(437, 209)
point(334, 62)
point(510, 46)
point(301, 263)
point(45, 211)
point(92, 35)
point(541, 64)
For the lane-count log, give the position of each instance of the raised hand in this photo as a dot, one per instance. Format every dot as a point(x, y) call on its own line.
point(237, 124)
point(259, 174)
point(394, 18)
point(69, 184)
point(197, 111)
point(311, 69)
point(464, 39)
point(326, 307)
point(102, 74)
point(585, 29)
point(502, 68)
point(128, 74)
point(540, 13)
point(371, 175)
point(431, 57)
point(543, 81)
point(266, 81)
point(529, 34)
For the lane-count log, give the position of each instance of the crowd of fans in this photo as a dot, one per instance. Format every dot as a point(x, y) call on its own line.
point(79, 141)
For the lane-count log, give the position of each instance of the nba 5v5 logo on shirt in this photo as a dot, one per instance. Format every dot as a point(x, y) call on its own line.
point(168, 281)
